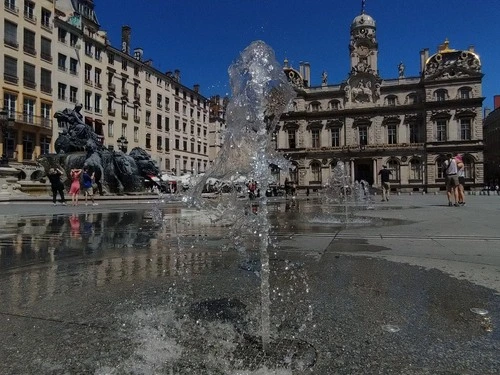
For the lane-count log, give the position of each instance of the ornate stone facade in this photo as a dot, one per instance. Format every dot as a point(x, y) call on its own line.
point(406, 123)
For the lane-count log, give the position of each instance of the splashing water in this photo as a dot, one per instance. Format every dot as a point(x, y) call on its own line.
point(350, 196)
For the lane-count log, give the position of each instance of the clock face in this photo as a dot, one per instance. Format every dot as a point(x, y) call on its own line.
point(363, 50)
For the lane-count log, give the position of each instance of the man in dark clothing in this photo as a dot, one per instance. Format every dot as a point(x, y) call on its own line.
point(384, 179)
point(56, 184)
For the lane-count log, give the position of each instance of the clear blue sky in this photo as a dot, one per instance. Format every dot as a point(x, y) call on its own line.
point(202, 38)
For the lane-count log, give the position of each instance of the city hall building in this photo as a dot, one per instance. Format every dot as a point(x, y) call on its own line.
point(367, 121)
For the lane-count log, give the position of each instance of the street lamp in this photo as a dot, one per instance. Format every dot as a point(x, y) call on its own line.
point(6, 123)
point(122, 144)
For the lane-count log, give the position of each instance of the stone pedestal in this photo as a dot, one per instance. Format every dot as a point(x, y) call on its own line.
point(9, 186)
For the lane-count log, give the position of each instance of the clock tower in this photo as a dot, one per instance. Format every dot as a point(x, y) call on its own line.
point(363, 85)
point(363, 47)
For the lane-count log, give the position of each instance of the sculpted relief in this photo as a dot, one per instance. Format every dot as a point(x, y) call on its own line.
point(362, 89)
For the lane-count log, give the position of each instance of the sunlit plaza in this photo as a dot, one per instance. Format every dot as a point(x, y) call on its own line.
point(288, 227)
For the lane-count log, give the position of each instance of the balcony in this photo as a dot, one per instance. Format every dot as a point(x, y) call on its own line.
point(125, 115)
point(148, 101)
point(46, 25)
point(30, 50)
point(29, 84)
point(88, 82)
point(137, 119)
point(111, 112)
point(46, 56)
point(137, 97)
point(30, 17)
point(29, 119)
point(124, 91)
point(98, 111)
point(11, 7)
point(46, 89)
point(11, 43)
point(98, 85)
point(10, 78)
point(148, 124)
point(111, 87)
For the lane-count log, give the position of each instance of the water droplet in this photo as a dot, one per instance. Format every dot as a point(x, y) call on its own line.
point(391, 328)
point(479, 311)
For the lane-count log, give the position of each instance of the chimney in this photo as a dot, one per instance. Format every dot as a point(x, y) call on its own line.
point(301, 69)
point(196, 88)
point(307, 74)
point(424, 55)
point(496, 101)
point(149, 62)
point(177, 75)
point(126, 39)
point(138, 52)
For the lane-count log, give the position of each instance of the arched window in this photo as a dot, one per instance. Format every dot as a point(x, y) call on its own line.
point(415, 169)
point(441, 95)
point(391, 100)
point(316, 171)
point(393, 166)
point(315, 106)
point(439, 166)
point(464, 93)
point(334, 104)
point(411, 98)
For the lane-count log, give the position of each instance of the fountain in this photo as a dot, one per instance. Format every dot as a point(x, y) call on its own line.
point(79, 145)
point(349, 196)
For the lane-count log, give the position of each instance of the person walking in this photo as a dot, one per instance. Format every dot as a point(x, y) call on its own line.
point(56, 185)
point(461, 179)
point(451, 178)
point(88, 190)
point(384, 179)
point(74, 189)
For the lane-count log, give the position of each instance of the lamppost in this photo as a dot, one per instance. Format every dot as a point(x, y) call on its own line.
point(6, 123)
point(122, 144)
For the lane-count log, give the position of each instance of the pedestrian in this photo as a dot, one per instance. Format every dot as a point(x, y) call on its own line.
point(461, 179)
point(450, 171)
point(88, 190)
point(74, 189)
point(56, 185)
point(384, 179)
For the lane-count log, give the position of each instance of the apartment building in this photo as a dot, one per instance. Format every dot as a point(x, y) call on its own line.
point(367, 121)
point(26, 87)
point(55, 56)
point(150, 109)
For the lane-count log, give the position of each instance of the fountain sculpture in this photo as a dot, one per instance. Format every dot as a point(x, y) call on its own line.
point(78, 145)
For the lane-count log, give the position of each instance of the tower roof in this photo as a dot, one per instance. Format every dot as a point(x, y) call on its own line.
point(363, 20)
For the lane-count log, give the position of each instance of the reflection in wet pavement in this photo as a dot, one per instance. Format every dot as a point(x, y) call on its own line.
point(120, 293)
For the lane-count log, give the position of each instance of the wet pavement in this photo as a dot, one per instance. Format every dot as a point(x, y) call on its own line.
point(113, 290)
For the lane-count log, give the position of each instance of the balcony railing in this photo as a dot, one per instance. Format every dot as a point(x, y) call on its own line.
point(29, 50)
point(98, 85)
point(88, 82)
point(137, 119)
point(125, 115)
point(11, 7)
point(46, 56)
point(111, 112)
point(10, 78)
point(26, 118)
point(29, 84)
point(11, 43)
point(46, 89)
point(29, 17)
point(46, 25)
point(111, 87)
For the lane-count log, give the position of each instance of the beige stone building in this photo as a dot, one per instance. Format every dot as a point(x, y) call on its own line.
point(55, 56)
point(366, 121)
point(26, 85)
